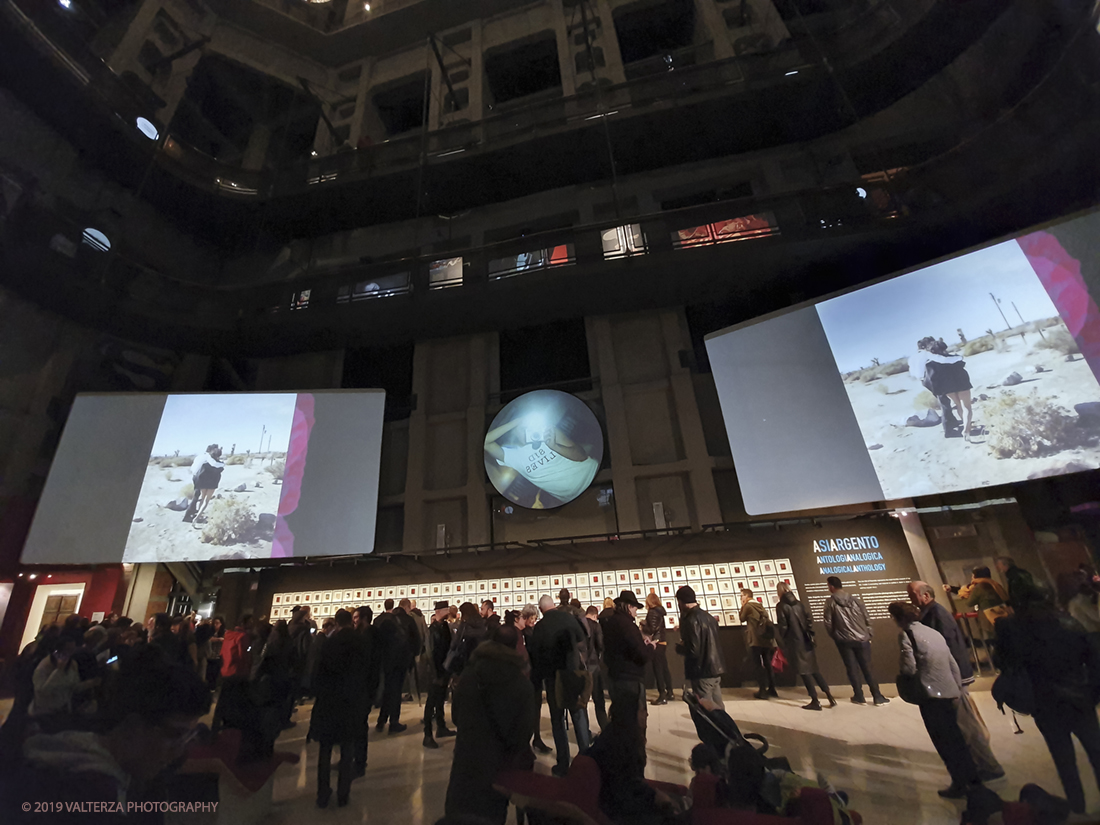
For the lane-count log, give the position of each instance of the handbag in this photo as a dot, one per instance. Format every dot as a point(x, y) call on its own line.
point(910, 688)
point(572, 689)
point(779, 661)
point(456, 656)
point(1013, 688)
point(999, 611)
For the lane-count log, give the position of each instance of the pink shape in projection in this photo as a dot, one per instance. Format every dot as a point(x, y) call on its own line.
point(283, 544)
point(1060, 275)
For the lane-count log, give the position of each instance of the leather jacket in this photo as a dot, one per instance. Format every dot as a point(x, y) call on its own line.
point(699, 644)
point(845, 618)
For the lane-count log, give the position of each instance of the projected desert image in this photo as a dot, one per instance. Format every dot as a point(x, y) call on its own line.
point(214, 479)
point(973, 340)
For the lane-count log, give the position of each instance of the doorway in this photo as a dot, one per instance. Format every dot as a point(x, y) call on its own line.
point(52, 602)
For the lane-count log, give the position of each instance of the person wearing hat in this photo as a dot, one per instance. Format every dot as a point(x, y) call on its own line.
point(699, 646)
point(625, 653)
point(438, 643)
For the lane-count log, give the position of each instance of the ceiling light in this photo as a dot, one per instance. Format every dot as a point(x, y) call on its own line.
point(861, 191)
point(33, 576)
point(65, 4)
point(147, 128)
point(313, 153)
point(366, 7)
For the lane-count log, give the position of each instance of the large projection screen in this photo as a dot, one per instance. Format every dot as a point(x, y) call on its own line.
point(975, 371)
point(161, 478)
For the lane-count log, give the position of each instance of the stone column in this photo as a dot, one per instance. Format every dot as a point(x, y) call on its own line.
point(927, 568)
point(126, 54)
point(256, 151)
point(565, 52)
point(477, 502)
point(707, 508)
point(418, 430)
point(618, 434)
point(715, 25)
point(609, 42)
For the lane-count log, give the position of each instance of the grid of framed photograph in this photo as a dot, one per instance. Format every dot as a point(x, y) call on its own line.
point(717, 586)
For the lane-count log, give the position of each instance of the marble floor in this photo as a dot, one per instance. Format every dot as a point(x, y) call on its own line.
point(881, 755)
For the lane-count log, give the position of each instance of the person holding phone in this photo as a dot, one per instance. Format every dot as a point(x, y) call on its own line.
point(56, 682)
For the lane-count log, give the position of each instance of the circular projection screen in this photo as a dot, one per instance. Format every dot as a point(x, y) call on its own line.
point(543, 449)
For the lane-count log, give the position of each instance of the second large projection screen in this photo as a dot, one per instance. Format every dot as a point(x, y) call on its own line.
point(977, 371)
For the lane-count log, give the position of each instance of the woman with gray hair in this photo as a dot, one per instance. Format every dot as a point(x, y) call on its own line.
point(796, 635)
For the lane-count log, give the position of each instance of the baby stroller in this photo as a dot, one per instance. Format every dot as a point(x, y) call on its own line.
point(750, 778)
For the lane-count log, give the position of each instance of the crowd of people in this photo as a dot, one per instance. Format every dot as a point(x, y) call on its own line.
point(123, 700)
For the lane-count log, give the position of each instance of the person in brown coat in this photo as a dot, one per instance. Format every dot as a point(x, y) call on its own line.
point(760, 639)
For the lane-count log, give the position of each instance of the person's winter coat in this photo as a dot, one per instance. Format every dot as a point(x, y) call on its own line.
point(982, 594)
point(757, 621)
point(595, 643)
point(54, 686)
point(1056, 653)
point(494, 710)
point(236, 658)
point(468, 635)
point(931, 661)
point(937, 617)
point(390, 636)
point(439, 643)
point(301, 640)
point(557, 638)
point(794, 628)
point(699, 644)
point(341, 703)
point(413, 642)
point(625, 652)
point(1021, 586)
point(845, 618)
point(655, 623)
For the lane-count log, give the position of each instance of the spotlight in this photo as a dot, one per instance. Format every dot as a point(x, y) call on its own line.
point(861, 191)
point(147, 128)
point(33, 576)
point(65, 4)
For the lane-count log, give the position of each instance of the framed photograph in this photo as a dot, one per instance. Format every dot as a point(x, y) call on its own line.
point(782, 567)
point(725, 586)
point(737, 571)
point(713, 604)
point(769, 583)
point(305, 599)
point(666, 590)
point(752, 568)
point(679, 576)
point(733, 619)
point(544, 583)
point(650, 575)
point(531, 583)
point(518, 585)
point(710, 587)
point(611, 579)
point(664, 574)
point(369, 593)
point(349, 596)
point(596, 578)
point(277, 600)
point(622, 578)
point(506, 584)
point(585, 595)
point(692, 573)
point(707, 571)
point(506, 599)
point(597, 594)
point(789, 581)
point(729, 602)
point(391, 592)
point(672, 622)
point(403, 592)
point(756, 585)
point(584, 580)
point(569, 580)
point(471, 590)
point(722, 571)
point(738, 586)
point(721, 619)
point(445, 589)
point(767, 568)
point(327, 596)
point(494, 585)
point(670, 606)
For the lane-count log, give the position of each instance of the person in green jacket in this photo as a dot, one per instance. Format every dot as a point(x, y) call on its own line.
point(760, 639)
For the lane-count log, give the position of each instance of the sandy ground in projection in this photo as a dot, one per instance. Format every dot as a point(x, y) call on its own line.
point(160, 534)
point(920, 461)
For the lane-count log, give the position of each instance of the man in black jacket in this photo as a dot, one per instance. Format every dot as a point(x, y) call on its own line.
point(361, 623)
point(849, 625)
point(340, 706)
point(937, 617)
point(626, 652)
point(391, 637)
point(414, 643)
point(595, 662)
point(699, 646)
point(557, 641)
point(439, 642)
